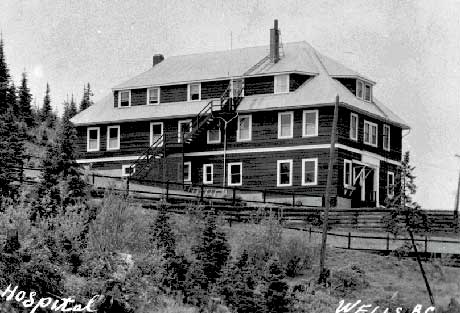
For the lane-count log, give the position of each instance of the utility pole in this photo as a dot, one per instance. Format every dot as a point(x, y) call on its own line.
point(457, 199)
point(322, 274)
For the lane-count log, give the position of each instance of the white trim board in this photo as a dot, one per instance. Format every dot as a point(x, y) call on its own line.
point(107, 159)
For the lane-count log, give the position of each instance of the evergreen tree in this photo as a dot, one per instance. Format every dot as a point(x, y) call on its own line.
point(72, 108)
point(47, 114)
point(162, 234)
point(276, 294)
point(212, 250)
point(86, 101)
point(48, 188)
point(25, 102)
point(12, 100)
point(4, 80)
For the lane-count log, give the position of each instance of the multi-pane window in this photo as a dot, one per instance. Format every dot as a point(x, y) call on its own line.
point(244, 128)
point(363, 90)
point(154, 95)
point(156, 133)
point(310, 171)
point(370, 133)
point(208, 172)
point(235, 173)
point(285, 124)
point(92, 139)
point(386, 137)
point(359, 89)
point(194, 91)
point(125, 98)
point(184, 127)
point(347, 173)
point(284, 170)
point(390, 184)
point(213, 136)
point(354, 126)
point(113, 137)
point(281, 83)
point(310, 123)
point(188, 171)
point(367, 92)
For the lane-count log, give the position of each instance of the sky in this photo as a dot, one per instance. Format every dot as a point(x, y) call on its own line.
point(410, 48)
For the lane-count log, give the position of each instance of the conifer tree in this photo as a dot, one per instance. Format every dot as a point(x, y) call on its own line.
point(72, 108)
point(47, 114)
point(162, 234)
point(276, 294)
point(12, 100)
point(86, 101)
point(4, 79)
point(25, 102)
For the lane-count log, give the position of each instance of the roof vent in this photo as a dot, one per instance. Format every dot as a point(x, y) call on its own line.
point(275, 43)
point(157, 59)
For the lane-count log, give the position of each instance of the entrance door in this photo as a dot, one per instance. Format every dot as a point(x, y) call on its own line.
point(369, 187)
point(156, 131)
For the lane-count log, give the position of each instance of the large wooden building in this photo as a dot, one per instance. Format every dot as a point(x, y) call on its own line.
point(258, 117)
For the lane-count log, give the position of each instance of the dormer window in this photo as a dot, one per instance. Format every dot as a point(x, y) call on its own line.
point(363, 90)
point(153, 96)
point(281, 84)
point(194, 91)
point(124, 99)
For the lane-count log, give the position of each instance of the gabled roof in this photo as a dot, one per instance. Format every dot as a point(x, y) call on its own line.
point(321, 89)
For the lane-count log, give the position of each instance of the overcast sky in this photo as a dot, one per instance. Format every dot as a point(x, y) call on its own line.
point(410, 48)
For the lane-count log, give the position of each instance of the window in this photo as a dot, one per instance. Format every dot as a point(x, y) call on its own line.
point(93, 136)
point(183, 127)
point(359, 89)
point(354, 126)
point(127, 170)
point(244, 128)
point(188, 171)
point(281, 84)
point(285, 124)
point(156, 133)
point(124, 98)
point(386, 137)
point(153, 96)
point(235, 173)
point(390, 184)
point(370, 133)
point(284, 171)
point(214, 136)
point(310, 123)
point(310, 171)
point(208, 173)
point(113, 137)
point(194, 91)
point(347, 173)
point(367, 92)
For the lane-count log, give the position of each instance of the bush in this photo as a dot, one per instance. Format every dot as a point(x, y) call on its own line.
point(313, 302)
point(296, 256)
point(348, 279)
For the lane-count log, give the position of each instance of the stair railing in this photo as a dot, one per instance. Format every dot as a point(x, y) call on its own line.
point(145, 156)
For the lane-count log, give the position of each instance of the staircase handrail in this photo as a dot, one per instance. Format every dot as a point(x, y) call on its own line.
point(147, 153)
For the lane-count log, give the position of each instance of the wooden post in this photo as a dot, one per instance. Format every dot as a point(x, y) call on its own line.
point(309, 237)
point(322, 273)
point(202, 193)
point(349, 240)
point(167, 190)
point(293, 199)
point(234, 197)
point(93, 178)
point(426, 244)
point(388, 241)
point(265, 195)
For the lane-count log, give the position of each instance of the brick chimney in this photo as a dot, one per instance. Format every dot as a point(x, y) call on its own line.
point(157, 59)
point(275, 43)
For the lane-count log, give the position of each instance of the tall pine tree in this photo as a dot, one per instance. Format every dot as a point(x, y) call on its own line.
point(4, 79)
point(25, 102)
point(86, 101)
point(47, 114)
point(72, 107)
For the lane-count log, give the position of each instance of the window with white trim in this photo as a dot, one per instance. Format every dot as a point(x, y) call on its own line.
point(367, 92)
point(386, 137)
point(244, 130)
point(284, 173)
point(347, 173)
point(208, 173)
point(310, 123)
point(281, 83)
point(153, 96)
point(93, 137)
point(127, 170)
point(188, 171)
point(363, 90)
point(285, 124)
point(235, 173)
point(390, 184)
point(183, 127)
point(113, 137)
point(124, 98)
point(359, 89)
point(194, 91)
point(156, 133)
point(354, 126)
point(310, 171)
point(213, 135)
point(370, 133)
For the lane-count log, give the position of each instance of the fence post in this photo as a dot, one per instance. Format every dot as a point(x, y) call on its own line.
point(202, 193)
point(309, 237)
point(426, 244)
point(293, 199)
point(234, 197)
point(93, 178)
point(167, 190)
point(388, 241)
point(127, 185)
point(349, 240)
point(265, 195)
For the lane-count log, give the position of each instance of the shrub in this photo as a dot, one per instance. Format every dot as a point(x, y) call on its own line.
point(348, 279)
point(295, 256)
point(313, 302)
point(277, 299)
